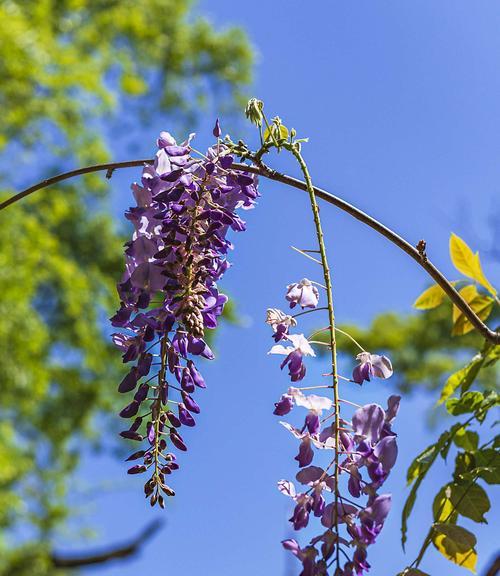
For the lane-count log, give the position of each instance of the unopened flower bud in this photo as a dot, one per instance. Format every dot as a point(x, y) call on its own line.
point(253, 111)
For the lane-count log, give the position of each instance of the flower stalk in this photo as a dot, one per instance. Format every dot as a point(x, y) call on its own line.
point(331, 317)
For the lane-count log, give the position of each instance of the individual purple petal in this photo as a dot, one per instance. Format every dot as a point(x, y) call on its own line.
point(187, 383)
point(138, 469)
point(378, 509)
point(284, 405)
point(190, 404)
point(130, 410)
point(381, 366)
point(216, 131)
point(129, 382)
point(392, 407)
point(185, 417)
point(312, 423)
point(172, 418)
point(354, 482)
point(368, 421)
point(141, 393)
point(310, 475)
point(306, 453)
point(195, 375)
point(386, 451)
point(177, 441)
point(291, 545)
point(144, 364)
point(135, 455)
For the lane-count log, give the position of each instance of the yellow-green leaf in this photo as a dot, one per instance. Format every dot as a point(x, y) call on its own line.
point(430, 298)
point(481, 305)
point(462, 256)
point(463, 377)
point(442, 507)
point(281, 135)
point(468, 262)
point(456, 544)
point(481, 278)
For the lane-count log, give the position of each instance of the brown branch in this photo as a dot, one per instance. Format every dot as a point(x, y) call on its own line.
point(494, 568)
point(122, 551)
point(417, 253)
point(109, 167)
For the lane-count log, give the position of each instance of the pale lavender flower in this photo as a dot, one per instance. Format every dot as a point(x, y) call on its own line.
point(315, 405)
point(303, 293)
point(279, 322)
point(371, 365)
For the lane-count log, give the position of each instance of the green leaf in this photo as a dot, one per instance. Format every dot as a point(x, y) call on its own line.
point(430, 298)
point(466, 439)
point(487, 463)
point(468, 402)
point(464, 378)
point(492, 356)
point(281, 134)
point(412, 572)
point(468, 263)
point(417, 472)
point(470, 500)
point(456, 544)
point(464, 462)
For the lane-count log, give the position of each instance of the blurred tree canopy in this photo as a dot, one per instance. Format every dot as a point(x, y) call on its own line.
point(422, 347)
point(65, 64)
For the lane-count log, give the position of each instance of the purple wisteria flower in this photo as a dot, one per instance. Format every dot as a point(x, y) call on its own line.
point(368, 452)
point(186, 206)
point(294, 355)
point(371, 365)
point(303, 293)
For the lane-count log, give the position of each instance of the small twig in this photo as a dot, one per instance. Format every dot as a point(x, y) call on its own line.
point(306, 255)
point(309, 311)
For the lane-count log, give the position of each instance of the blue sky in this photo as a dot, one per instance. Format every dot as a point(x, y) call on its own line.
point(401, 102)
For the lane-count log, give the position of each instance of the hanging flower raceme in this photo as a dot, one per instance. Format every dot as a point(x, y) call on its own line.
point(364, 452)
point(186, 206)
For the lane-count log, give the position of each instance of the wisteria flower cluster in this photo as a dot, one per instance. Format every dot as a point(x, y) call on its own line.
point(362, 461)
point(186, 206)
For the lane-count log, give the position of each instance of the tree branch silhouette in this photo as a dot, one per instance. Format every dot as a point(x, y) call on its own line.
point(60, 560)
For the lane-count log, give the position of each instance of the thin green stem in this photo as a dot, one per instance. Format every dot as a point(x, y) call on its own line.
point(350, 338)
point(331, 316)
point(309, 311)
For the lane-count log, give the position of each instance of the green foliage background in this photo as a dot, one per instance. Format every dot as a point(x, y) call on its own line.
point(64, 64)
